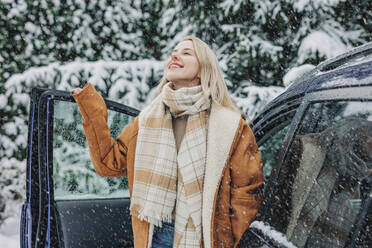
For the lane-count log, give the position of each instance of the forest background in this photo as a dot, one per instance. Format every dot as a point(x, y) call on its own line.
point(120, 46)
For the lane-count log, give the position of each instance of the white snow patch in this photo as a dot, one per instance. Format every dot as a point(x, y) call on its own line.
point(296, 72)
point(323, 43)
point(270, 232)
point(362, 108)
point(300, 5)
point(9, 232)
point(3, 101)
point(10, 128)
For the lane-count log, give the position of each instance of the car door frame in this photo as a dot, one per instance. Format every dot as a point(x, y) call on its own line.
point(29, 208)
point(37, 210)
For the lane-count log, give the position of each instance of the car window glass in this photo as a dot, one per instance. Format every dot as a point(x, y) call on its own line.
point(269, 150)
point(320, 190)
point(73, 173)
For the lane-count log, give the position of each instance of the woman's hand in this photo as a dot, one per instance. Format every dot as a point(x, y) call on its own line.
point(76, 91)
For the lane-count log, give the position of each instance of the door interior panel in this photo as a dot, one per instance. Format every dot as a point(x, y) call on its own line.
point(94, 223)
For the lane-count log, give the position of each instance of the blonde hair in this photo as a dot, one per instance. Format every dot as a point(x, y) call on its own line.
point(211, 79)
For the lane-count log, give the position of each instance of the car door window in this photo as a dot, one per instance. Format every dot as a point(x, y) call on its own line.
point(269, 150)
point(73, 173)
point(321, 187)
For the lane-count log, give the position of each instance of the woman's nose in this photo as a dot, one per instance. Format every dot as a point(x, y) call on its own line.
point(174, 56)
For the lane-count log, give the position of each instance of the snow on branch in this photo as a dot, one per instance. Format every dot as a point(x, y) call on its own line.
point(252, 99)
point(116, 80)
point(321, 43)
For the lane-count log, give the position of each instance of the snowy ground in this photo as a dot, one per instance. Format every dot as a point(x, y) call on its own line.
point(9, 232)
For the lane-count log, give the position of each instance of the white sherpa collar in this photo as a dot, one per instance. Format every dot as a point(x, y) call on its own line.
point(222, 127)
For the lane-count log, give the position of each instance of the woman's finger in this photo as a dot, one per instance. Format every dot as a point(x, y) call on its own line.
point(76, 90)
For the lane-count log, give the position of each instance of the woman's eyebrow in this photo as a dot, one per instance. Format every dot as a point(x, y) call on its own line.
point(184, 49)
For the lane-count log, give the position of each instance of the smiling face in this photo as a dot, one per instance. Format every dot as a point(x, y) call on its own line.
point(182, 68)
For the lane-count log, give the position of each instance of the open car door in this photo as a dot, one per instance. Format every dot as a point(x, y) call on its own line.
point(67, 203)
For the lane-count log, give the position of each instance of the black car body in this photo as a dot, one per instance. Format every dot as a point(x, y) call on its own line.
point(315, 140)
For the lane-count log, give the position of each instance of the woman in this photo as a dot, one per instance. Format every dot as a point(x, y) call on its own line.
point(192, 162)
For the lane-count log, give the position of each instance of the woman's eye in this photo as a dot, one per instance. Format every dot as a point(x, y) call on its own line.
point(187, 53)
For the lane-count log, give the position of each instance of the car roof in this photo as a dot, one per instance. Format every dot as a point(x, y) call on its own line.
point(353, 68)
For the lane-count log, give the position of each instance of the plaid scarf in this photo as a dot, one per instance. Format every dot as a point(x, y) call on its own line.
point(165, 180)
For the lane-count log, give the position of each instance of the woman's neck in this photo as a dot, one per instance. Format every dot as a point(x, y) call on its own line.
point(179, 85)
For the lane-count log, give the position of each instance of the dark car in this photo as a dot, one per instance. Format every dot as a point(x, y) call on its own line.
point(316, 144)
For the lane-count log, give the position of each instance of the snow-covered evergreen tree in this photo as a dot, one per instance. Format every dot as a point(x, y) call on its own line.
point(127, 82)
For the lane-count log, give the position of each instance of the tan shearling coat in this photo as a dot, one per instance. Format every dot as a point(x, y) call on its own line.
point(233, 173)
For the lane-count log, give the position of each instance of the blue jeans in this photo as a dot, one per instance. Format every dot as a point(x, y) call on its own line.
point(163, 236)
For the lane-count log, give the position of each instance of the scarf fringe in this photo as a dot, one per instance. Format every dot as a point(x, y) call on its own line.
point(148, 215)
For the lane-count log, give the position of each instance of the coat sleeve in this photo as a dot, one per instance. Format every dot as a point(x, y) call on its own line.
point(108, 156)
point(246, 181)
